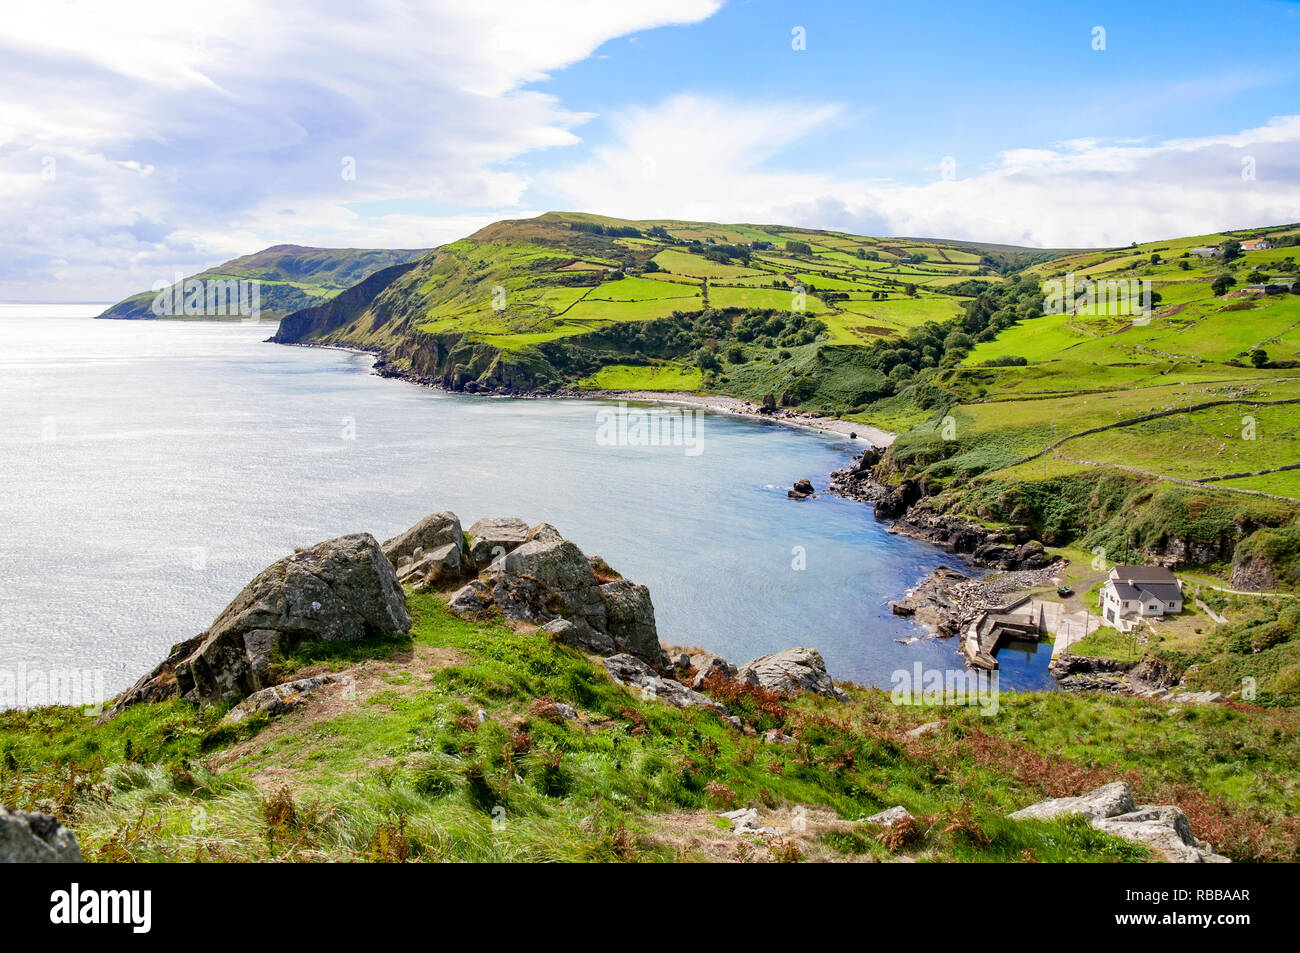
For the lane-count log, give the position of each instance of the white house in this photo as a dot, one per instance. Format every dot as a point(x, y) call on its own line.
point(1257, 244)
point(1213, 252)
point(1133, 593)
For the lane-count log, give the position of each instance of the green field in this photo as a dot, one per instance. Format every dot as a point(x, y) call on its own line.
point(655, 377)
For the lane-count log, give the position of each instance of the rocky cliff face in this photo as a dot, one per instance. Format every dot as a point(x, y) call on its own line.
point(340, 310)
point(916, 513)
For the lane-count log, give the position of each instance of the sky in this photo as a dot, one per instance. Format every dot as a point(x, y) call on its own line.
point(143, 138)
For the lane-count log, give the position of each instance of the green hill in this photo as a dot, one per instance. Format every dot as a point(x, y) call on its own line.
point(582, 300)
point(290, 277)
point(1164, 432)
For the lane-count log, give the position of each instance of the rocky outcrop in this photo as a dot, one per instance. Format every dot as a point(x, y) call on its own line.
point(279, 699)
point(857, 481)
point(546, 579)
point(433, 532)
point(543, 578)
point(791, 671)
point(35, 839)
point(630, 670)
point(1256, 574)
point(490, 539)
point(341, 590)
point(1111, 808)
point(894, 501)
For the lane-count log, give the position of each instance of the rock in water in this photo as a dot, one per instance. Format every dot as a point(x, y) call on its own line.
point(791, 671)
point(802, 490)
point(341, 590)
point(35, 839)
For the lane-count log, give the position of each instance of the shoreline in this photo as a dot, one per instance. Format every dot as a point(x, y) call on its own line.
point(748, 410)
point(712, 403)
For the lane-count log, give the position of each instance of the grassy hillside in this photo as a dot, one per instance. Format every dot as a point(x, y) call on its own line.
point(451, 747)
point(291, 277)
point(1012, 403)
point(583, 300)
point(1136, 437)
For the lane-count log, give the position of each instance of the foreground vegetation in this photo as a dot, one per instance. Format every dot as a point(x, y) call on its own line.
point(452, 746)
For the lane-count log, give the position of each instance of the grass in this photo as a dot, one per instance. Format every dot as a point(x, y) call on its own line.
point(1105, 642)
point(407, 769)
point(653, 377)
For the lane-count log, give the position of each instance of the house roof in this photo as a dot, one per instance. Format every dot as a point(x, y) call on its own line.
point(1125, 591)
point(1165, 592)
point(1144, 574)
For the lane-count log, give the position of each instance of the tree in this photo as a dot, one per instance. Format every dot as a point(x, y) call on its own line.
point(910, 289)
point(798, 248)
point(706, 359)
point(1231, 250)
point(1259, 357)
point(1222, 284)
point(1155, 258)
point(651, 266)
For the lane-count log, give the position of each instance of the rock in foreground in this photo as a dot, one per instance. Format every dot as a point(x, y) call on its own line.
point(341, 590)
point(543, 578)
point(791, 671)
point(1110, 808)
point(35, 839)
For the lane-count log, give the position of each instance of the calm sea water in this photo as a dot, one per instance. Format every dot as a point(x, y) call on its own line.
point(148, 470)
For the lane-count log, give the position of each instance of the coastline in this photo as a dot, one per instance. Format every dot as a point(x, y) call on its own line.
point(738, 407)
point(873, 442)
point(712, 403)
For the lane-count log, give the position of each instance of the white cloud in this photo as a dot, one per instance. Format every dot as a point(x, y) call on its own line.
point(177, 133)
point(697, 157)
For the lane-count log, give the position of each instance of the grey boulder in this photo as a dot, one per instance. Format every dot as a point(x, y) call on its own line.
point(431, 533)
point(546, 579)
point(279, 699)
point(1110, 808)
point(890, 816)
point(432, 568)
point(630, 670)
point(470, 598)
point(341, 590)
point(630, 618)
point(490, 539)
point(791, 671)
point(35, 839)
point(580, 636)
